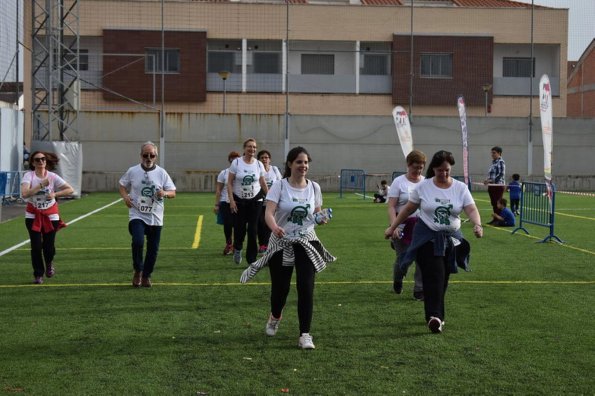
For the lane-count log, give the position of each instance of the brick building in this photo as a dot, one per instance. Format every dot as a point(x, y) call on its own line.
point(581, 85)
point(332, 57)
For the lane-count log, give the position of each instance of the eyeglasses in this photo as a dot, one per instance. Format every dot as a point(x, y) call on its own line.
point(149, 156)
point(39, 159)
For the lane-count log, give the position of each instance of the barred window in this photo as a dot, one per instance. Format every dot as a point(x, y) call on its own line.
point(153, 60)
point(267, 62)
point(318, 64)
point(436, 65)
point(518, 67)
point(374, 65)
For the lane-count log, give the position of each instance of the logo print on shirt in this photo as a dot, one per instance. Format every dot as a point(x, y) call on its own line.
point(442, 214)
point(248, 180)
point(148, 191)
point(298, 214)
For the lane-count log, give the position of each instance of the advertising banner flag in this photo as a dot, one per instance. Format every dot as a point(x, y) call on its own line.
point(545, 108)
point(403, 127)
point(463, 117)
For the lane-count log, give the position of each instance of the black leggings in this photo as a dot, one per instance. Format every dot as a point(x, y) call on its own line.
point(281, 283)
point(434, 273)
point(245, 221)
point(227, 221)
point(42, 247)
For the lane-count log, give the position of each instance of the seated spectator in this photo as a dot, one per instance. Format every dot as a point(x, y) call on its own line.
point(505, 218)
point(380, 196)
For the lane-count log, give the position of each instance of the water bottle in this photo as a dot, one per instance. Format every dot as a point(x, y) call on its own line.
point(324, 215)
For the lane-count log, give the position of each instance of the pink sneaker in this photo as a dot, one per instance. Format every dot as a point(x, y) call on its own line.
point(38, 280)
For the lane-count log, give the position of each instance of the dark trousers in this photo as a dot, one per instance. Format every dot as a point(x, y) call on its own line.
point(42, 247)
point(281, 283)
point(264, 232)
point(227, 221)
point(496, 193)
point(434, 273)
point(139, 230)
point(514, 205)
point(245, 221)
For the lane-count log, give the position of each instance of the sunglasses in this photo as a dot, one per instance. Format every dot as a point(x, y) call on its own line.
point(39, 159)
point(149, 156)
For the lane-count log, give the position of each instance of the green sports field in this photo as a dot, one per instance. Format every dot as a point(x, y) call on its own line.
point(522, 322)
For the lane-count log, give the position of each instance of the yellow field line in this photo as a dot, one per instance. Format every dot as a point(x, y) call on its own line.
point(331, 283)
point(578, 217)
point(564, 245)
point(196, 242)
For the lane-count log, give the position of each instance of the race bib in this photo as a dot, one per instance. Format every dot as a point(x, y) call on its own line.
point(41, 202)
point(247, 192)
point(146, 205)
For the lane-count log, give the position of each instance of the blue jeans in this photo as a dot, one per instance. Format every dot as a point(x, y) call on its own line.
point(138, 229)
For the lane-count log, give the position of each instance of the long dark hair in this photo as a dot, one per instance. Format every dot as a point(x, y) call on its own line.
point(438, 159)
point(51, 160)
point(291, 156)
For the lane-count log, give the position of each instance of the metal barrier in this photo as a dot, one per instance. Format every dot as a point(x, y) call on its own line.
point(537, 208)
point(352, 179)
point(10, 187)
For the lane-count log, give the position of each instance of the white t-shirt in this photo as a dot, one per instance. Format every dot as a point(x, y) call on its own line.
point(246, 184)
point(272, 175)
point(401, 188)
point(295, 206)
point(39, 200)
point(142, 187)
point(440, 207)
point(222, 178)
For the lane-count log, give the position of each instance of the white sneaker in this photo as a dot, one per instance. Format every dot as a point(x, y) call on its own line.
point(435, 324)
point(237, 256)
point(272, 326)
point(305, 341)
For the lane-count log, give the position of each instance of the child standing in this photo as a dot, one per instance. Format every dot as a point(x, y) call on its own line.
point(514, 189)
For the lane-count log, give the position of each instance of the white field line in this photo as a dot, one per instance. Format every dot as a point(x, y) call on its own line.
point(18, 245)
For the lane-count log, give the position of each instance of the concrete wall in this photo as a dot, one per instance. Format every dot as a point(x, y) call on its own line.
point(196, 146)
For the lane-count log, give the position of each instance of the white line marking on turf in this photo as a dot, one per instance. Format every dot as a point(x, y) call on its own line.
point(10, 249)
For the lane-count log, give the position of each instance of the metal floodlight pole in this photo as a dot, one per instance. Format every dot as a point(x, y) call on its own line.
point(286, 143)
point(411, 68)
point(162, 115)
point(530, 134)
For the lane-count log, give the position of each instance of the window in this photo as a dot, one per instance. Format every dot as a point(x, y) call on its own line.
point(221, 61)
point(70, 59)
point(267, 62)
point(518, 67)
point(436, 65)
point(153, 60)
point(318, 64)
point(374, 65)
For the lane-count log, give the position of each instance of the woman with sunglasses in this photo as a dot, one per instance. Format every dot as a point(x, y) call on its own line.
point(245, 188)
point(143, 189)
point(40, 187)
